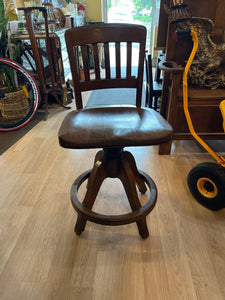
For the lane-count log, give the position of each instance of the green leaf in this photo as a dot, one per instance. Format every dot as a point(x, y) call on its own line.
point(2, 10)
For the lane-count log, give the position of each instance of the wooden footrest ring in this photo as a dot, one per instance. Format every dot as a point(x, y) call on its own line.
point(113, 220)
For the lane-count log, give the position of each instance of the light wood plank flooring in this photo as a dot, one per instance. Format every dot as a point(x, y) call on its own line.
point(42, 258)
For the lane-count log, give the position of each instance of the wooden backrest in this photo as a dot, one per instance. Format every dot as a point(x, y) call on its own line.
point(80, 40)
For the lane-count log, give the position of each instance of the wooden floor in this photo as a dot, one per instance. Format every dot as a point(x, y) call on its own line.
point(42, 258)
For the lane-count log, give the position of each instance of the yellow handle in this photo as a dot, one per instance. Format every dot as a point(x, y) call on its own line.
point(222, 108)
point(26, 91)
point(219, 159)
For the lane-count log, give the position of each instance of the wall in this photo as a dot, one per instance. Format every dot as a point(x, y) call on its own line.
point(94, 10)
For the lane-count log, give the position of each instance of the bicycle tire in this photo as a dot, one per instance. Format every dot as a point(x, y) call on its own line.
point(27, 80)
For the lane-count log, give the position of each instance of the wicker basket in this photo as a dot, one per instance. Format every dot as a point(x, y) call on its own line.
point(14, 105)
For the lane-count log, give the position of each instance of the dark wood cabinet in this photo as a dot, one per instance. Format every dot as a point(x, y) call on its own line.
point(203, 102)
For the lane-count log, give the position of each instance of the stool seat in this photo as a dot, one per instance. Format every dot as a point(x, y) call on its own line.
point(113, 126)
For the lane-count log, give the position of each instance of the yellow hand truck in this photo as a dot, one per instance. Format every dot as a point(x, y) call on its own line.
point(206, 181)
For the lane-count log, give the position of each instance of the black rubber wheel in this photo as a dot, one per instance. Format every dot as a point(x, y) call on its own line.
point(206, 182)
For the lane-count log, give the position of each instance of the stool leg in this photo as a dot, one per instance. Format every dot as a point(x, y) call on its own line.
point(140, 182)
point(98, 157)
point(127, 178)
point(98, 174)
point(80, 224)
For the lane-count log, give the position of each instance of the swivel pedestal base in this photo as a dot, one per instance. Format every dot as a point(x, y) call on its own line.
point(114, 163)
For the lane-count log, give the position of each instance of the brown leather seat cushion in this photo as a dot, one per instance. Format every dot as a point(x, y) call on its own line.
point(113, 126)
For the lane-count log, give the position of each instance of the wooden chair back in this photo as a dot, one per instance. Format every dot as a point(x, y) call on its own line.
point(81, 39)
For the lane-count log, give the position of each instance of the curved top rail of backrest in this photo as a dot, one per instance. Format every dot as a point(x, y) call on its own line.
point(100, 33)
point(91, 37)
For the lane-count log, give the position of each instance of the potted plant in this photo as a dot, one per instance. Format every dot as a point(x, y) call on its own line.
point(3, 29)
point(6, 73)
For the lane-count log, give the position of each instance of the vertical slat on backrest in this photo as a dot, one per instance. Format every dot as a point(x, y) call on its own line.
point(96, 61)
point(73, 53)
point(107, 60)
point(118, 65)
point(85, 62)
point(140, 72)
point(129, 51)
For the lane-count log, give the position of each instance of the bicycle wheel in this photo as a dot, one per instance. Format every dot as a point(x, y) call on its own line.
point(19, 95)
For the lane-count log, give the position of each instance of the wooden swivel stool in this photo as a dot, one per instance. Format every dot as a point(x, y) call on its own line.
point(111, 127)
